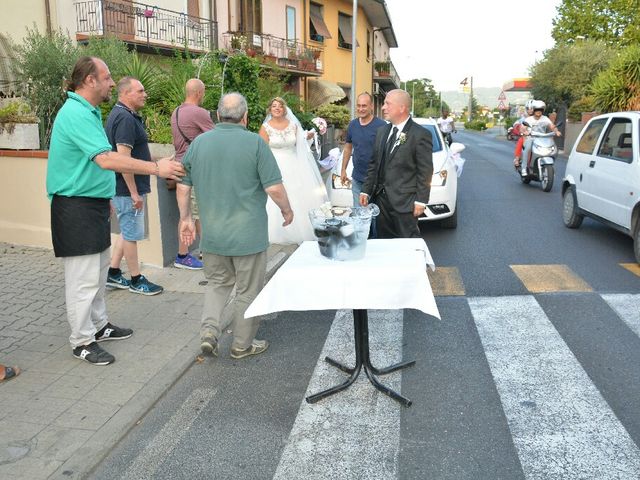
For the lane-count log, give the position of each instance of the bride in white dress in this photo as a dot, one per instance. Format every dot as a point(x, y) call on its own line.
point(300, 175)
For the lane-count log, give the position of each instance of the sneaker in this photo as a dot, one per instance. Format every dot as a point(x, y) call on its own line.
point(111, 332)
point(145, 287)
point(93, 353)
point(256, 348)
point(189, 262)
point(209, 345)
point(118, 281)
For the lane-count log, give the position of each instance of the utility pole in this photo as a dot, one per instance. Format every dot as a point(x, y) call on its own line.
point(470, 99)
point(413, 97)
point(354, 25)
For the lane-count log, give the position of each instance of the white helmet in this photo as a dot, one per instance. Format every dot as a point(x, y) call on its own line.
point(529, 105)
point(538, 105)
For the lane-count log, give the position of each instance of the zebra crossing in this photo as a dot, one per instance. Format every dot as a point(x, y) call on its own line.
point(513, 387)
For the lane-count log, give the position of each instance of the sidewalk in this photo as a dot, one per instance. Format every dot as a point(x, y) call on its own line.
point(61, 415)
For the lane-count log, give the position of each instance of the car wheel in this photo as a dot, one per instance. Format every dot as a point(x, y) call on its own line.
point(452, 221)
point(570, 215)
point(547, 178)
point(636, 243)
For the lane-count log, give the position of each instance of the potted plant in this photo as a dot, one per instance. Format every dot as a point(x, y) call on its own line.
point(382, 68)
point(18, 127)
point(238, 42)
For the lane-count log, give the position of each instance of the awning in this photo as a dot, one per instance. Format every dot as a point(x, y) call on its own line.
point(321, 92)
point(315, 14)
point(344, 25)
point(8, 83)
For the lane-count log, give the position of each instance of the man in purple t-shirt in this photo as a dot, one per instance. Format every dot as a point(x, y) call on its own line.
point(187, 122)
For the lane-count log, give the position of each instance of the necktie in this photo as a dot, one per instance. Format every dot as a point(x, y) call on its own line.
point(391, 141)
point(387, 151)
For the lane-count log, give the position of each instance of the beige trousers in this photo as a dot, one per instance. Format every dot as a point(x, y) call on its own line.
point(247, 274)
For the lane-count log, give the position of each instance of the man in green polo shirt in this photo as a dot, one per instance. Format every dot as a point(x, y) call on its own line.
point(80, 183)
point(232, 171)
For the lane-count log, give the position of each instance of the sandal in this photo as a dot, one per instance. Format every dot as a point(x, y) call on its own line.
point(9, 373)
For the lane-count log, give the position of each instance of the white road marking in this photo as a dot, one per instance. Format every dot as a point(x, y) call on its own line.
point(626, 305)
point(560, 424)
point(355, 433)
point(151, 458)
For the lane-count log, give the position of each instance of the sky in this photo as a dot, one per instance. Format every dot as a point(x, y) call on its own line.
point(449, 40)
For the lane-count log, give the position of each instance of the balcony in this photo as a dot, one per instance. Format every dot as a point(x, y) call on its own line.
point(299, 60)
point(384, 73)
point(144, 25)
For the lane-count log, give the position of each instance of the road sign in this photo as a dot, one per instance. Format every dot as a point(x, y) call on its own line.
point(502, 96)
point(502, 106)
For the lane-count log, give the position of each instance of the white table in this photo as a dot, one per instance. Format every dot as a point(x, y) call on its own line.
point(391, 276)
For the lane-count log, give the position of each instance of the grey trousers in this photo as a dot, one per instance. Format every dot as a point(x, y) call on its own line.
point(85, 280)
point(247, 274)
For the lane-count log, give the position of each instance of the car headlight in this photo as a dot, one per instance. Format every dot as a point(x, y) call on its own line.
point(439, 179)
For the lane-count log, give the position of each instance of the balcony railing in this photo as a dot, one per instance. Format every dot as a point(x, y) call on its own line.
point(145, 24)
point(289, 54)
point(385, 71)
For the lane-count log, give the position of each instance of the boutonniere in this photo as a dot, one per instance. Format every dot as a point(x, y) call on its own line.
point(402, 138)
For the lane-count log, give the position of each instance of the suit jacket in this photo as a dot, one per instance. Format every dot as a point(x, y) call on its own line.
point(408, 169)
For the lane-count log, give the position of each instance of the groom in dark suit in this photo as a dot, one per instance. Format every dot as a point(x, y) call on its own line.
point(399, 175)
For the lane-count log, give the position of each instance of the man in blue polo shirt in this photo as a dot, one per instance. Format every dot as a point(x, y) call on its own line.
point(80, 184)
point(361, 134)
point(126, 133)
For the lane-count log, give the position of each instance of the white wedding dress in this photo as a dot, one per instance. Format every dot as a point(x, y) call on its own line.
point(304, 188)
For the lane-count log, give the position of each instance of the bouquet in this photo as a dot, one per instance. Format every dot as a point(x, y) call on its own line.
point(320, 124)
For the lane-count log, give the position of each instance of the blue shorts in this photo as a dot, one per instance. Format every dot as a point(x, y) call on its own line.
point(131, 221)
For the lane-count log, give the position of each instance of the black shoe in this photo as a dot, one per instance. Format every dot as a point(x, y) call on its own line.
point(111, 332)
point(93, 353)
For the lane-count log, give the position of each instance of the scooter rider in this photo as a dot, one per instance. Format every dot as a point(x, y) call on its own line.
point(520, 143)
point(536, 123)
point(446, 125)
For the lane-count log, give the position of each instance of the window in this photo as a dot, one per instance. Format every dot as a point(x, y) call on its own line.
point(345, 34)
point(590, 136)
point(318, 30)
point(291, 24)
point(250, 16)
point(617, 141)
point(368, 44)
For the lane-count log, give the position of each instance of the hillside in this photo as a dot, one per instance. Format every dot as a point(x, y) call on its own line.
point(485, 96)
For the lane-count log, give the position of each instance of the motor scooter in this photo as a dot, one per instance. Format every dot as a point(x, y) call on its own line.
point(540, 163)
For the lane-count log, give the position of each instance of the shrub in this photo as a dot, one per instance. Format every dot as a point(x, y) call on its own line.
point(336, 115)
point(476, 124)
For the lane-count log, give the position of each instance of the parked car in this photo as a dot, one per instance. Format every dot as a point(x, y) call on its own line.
point(444, 183)
point(602, 180)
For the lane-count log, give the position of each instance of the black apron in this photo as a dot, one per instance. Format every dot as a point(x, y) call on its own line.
point(80, 225)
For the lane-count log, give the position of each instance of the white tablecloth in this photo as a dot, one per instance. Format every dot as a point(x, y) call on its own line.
point(391, 276)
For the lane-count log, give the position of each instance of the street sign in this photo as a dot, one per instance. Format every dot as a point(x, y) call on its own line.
point(502, 106)
point(502, 96)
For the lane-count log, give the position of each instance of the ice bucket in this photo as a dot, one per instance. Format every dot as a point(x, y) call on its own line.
point(342, 232)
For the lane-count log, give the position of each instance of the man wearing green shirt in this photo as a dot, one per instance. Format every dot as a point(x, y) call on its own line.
point(232, 171)
point(80, 183)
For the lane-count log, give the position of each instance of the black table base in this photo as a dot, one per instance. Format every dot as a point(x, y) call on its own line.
point(361, 336)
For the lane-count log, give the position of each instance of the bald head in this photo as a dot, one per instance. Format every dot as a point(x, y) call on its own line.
point(397, 105)
point(194, 90)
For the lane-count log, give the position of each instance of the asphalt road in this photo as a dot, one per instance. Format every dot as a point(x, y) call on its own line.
point(529, 374)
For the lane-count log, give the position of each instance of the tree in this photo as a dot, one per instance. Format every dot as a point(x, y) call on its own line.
point(616, 22)
point(618, 87)
point(426, 101)
point(43, 64)
point(567, 70)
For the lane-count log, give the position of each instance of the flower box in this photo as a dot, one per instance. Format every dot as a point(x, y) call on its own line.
point(19, 136)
